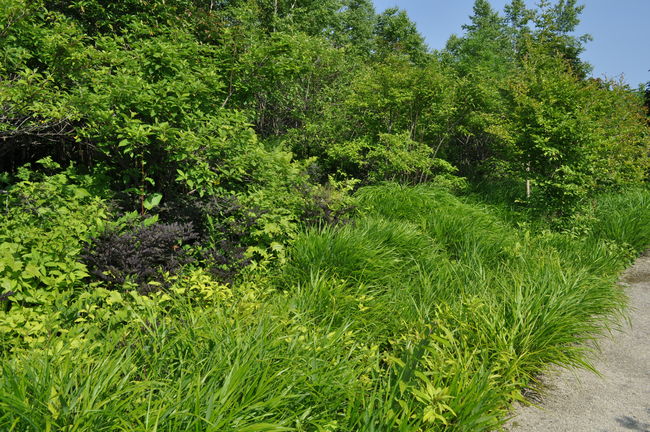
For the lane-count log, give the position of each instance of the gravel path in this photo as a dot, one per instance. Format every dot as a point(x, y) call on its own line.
point(619, 399)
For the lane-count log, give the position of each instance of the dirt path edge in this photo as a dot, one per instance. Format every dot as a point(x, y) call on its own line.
point(617, 400)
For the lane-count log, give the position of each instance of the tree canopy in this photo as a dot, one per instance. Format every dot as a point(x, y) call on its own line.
point(211, 97)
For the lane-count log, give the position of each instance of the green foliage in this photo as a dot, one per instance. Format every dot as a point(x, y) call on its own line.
point(46, 221)
point(526, 113)
point(148, 113)
point(213, 377)
point(283, 79)
point(330, 203)
point(622, 218)
point(45, 54)
point(553, 135)
point(158, 105)
point(394, 157)
point(236, 132)
point(557, 136)
point(396, 33)
point(483, 308)
point(485, 47)
point(390, 124)
point(397, 96)
point(149, 102)
point(502, 303)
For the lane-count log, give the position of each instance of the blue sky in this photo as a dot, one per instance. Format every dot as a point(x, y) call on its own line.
point(620, 28)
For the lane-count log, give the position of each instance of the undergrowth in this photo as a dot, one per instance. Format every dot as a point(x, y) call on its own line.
point(424, 313)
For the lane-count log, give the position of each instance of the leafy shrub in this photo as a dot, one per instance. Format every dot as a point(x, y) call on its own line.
point(390, 157)
point(330, 203)
point(38, 251)
point(45, 223)
point(211, 231)
point(223, 226)
point(141, 254)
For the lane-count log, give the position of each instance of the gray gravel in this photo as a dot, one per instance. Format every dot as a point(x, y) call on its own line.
point(617, 400)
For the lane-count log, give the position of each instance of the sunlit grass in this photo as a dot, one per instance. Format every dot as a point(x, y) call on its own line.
point(423, 314)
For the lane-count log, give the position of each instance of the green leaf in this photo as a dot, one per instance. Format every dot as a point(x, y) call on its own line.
point(150, 221)
point(152, 201)
point(31, 271)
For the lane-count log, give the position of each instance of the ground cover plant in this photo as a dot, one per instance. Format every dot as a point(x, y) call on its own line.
point(425, 313)
point(266, 215)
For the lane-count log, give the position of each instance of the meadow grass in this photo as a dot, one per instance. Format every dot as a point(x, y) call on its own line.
point(426, 313)
point(623, 218)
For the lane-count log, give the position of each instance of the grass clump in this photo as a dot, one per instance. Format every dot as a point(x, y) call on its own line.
point(623, 218)
point(445, 274)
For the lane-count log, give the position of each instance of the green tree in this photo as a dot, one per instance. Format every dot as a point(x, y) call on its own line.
point(555, 24)
point(395, 99)
point(482, 59)
point(486, 44)
point(559, 134)
point(283, 79)
point(39, 52)
point(397, 34)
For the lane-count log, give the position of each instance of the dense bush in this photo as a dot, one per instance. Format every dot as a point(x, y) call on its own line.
point(224, 230)
point(142, 255)
point(505, 101)
point(46, 220)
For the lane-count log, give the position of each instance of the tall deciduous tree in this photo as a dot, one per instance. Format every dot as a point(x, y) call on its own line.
point(554, 27)
point(397, 34)
point(558, 133)
point(482, 59)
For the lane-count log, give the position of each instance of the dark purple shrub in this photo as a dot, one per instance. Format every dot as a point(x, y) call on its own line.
point(141, 253)
point(223, 226)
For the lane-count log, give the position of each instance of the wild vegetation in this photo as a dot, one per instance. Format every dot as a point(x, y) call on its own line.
point(255, 215)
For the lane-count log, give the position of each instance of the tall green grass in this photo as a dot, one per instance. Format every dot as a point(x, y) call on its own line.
point(623, 218)
point(426, 313)
point(198, 371)
point(523, 300)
